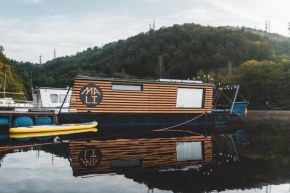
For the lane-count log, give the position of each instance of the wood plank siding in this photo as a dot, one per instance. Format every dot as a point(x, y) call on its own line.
point(152, 153)
point(153, 98)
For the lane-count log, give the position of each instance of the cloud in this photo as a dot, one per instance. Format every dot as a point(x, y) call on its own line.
point(32, 1)
point(25, 40)
point(69, 29)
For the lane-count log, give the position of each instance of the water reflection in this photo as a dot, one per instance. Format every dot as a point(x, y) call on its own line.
point(113, 156)
point(249, 155)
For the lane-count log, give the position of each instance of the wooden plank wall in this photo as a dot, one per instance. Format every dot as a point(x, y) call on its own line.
point(154, 153)
point(154, 98)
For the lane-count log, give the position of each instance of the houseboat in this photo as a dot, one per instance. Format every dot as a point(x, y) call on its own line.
point(117, 102)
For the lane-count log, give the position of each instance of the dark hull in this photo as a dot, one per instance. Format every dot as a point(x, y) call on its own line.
point(146, 119)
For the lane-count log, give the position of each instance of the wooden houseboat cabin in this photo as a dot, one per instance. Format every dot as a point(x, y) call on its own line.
point(118, 102)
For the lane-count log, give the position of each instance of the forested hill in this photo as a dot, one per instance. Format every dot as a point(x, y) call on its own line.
point(181, 51)
point(184, 49)
point(271, 36)
point(13, 83)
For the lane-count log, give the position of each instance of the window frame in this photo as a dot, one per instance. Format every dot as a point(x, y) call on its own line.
point(115, 164)
point(64, 99)
point(51, 98)
point(202, 151)
point(119, 84)
point(202, 100)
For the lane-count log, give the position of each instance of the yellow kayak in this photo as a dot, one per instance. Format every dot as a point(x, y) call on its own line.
point(52, 133)
point(50, 128)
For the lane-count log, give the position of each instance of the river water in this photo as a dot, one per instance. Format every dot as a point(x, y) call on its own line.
point(249, 154)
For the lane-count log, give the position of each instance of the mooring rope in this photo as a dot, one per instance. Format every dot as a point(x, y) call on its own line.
point(242, 96)
point(180, 123)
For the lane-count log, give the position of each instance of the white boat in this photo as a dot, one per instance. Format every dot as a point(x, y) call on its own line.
point(44, 99)
point(49, 98)
point(8, 103)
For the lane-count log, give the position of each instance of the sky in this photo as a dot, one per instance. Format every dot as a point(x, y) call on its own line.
point(30, 28)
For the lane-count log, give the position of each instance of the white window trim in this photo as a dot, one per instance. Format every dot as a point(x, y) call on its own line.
point(189, 100)
point(127, 87)
point(189, 151)
point(60, 97)
point(51, 98)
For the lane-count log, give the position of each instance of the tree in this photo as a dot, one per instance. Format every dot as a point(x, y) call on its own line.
point(159, 69)
point(1, 49)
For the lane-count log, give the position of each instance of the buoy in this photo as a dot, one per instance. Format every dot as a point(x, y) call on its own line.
point(4, 137)
point(43, 121)
point(24, 139)
point(46, 138)
point(4, 120)
point(23, 121)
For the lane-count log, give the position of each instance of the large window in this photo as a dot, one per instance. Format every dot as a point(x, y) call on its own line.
point(189, 98)
point(54, 98)
point(126, 87)
point(189, 151)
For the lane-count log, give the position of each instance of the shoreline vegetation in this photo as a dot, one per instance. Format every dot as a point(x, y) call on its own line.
point(258, 61)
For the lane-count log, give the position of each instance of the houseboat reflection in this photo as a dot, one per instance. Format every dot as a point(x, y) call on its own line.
point(113, 156)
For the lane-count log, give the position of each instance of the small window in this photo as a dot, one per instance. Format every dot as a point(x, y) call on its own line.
point(126, 163)
point(61, 98)
point(189, 151)
point(126, 87)
point(1, 102)
point(189, 98)
point(54, 98)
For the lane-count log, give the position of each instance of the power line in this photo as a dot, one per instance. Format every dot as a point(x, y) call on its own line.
point(40, 59)
point(153, 26)
point(54, 54)
point(289, 29)
point(267, 26)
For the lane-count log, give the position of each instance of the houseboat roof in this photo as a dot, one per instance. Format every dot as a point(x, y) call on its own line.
point(51, 88)
point(160, 81)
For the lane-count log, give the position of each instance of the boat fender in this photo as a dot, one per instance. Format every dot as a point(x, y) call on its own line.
point(43, 121)
point(23, 121)
point(24, 139)
point(4, 120)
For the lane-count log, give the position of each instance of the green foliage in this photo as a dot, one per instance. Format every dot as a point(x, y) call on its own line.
point(265, 81)
point(159, 68)
point(13, 84)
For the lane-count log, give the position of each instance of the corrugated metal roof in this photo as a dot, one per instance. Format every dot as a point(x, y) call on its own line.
point(142, 81)
point(50, 88)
